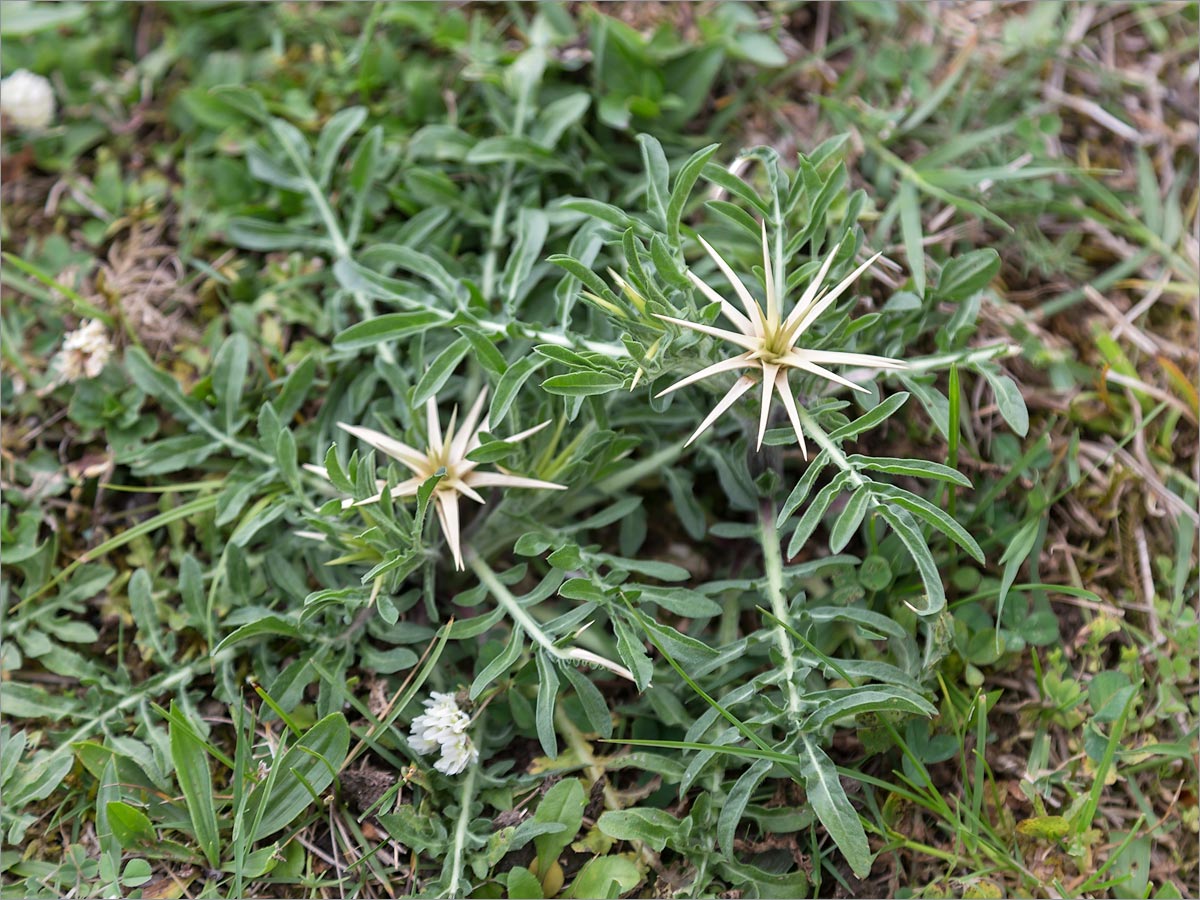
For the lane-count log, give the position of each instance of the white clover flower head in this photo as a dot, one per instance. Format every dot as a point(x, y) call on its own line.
point(770, 340)
point(449, 453)
point(442, 728)
point(457, 753)
point(27, 100)
point(85, 352)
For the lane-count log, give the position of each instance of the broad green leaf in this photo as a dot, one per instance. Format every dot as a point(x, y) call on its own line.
point(308, 767)
point(131, 827)
point(563, 804)
point(965, 275)
point(25, 17)
point(522, 885)
point(422, 832)
point(605, 878)
point(651, 826)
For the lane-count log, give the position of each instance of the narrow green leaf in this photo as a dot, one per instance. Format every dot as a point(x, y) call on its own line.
point(832, 806)
point(500, 664)
point(440, 370)
point(871, 418)
point(735, 803)
point(333, 137)
point(388, 327)
point(910, 535)
point(657, 176)
point(1009, 401)
point(195, 781)
point(483, 350)
point(592, 701)
point(582, 384)
point(849, 519)
point(936, 517)
point(910, 229)
point(682, 189)
point(510, 385)
point(547, 695)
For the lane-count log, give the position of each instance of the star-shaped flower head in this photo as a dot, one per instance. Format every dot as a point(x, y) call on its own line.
point(449, 453)
point(770, 341)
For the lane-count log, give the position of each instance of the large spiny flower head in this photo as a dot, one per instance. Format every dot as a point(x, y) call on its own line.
point(447, 454)
point(771, 342)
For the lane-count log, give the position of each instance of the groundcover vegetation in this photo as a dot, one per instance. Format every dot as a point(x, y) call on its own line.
point(596, 450)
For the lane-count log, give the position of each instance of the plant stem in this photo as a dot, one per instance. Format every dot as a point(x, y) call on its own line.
point(460, 830)
point(773, 562)
point(640, 470)
point(572, 656)
point(817, 433)
point(499, 217)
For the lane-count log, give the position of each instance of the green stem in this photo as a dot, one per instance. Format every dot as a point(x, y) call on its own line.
point(570, 656)
point(817, 433)
point(514, 609)
point(773, 562)
point(639, 470)
point(970, 357)
point(460, 830)
point(499, 217)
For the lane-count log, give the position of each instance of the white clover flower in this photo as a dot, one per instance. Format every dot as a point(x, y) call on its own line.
point(770, 341)
point(85, 352)
point(27, 99)
point(457, 754)
point(449, 453)
point(443, 728)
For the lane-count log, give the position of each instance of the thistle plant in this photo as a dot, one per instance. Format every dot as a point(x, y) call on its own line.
point(446, 458)
point(770, 342)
